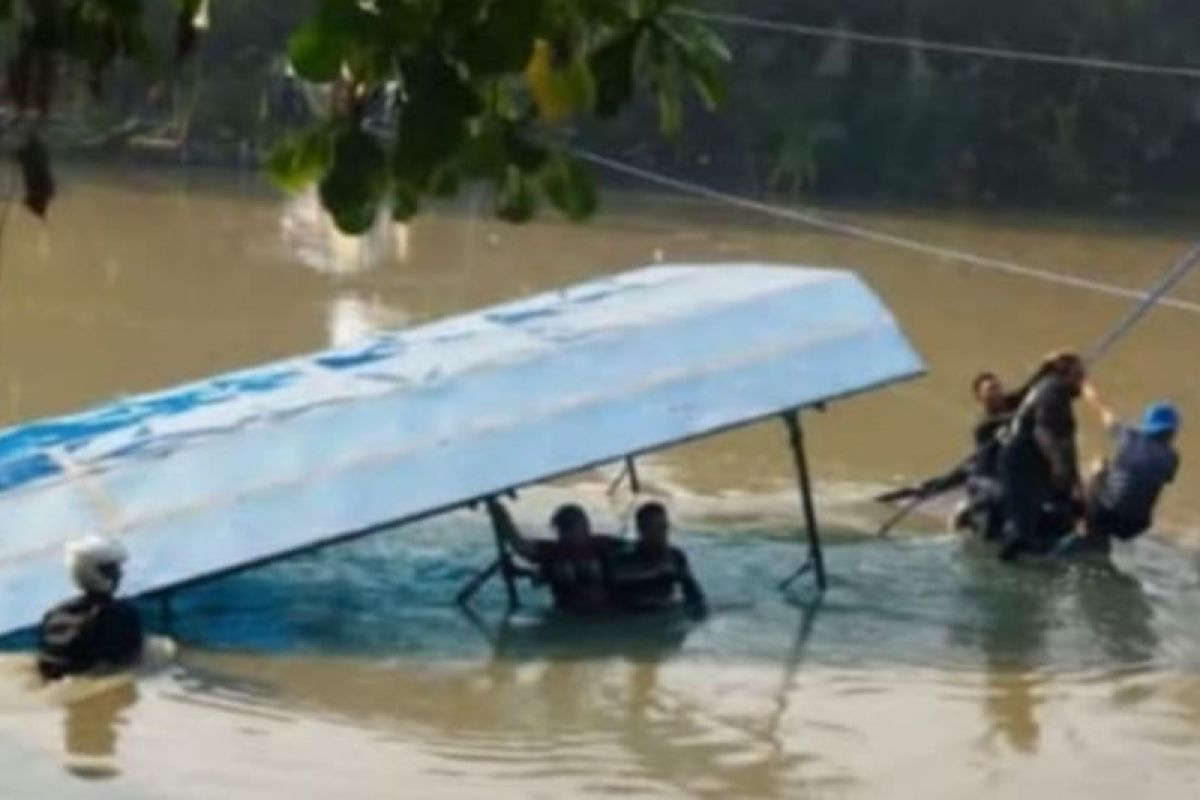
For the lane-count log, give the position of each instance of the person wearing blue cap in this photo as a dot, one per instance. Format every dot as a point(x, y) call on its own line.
point(1123, 493)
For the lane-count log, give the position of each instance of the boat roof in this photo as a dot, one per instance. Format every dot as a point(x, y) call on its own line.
point(247, 467)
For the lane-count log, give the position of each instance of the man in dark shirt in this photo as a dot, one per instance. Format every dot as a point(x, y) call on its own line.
point(1039, 471)
point(571, 564)
point(996, 407)
point(95, 630)
point(645, 576)
point(982, 511)
point(1123, 493)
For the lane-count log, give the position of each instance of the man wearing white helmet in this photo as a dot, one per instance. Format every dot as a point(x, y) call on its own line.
point(93, 630)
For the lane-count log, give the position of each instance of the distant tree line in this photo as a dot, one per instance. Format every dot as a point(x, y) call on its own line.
point(815, 118)
point(831, 119)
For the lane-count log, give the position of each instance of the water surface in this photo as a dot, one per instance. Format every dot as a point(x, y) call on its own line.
point(927, 670)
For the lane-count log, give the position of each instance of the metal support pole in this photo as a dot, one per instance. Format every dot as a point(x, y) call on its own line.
point(476, 583)
point(635, 483)
point(796, 439)
point(508, 570)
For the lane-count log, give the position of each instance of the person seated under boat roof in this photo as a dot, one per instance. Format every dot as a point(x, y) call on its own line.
point(94, 630)
point(644, 576)
point(1123, 492)
point(571, 564)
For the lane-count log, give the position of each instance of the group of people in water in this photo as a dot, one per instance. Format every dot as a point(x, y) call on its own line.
point(590, 573)
point(1025, 488)
point(586, 573)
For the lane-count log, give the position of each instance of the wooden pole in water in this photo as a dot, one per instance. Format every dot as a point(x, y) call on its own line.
point(815, 555)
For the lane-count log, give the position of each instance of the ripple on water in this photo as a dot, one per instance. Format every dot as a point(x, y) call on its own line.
point(927, 666)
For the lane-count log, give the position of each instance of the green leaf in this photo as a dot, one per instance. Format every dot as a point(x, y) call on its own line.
point(708, 80)
point(316, 55)
point(525, 155)
point(570, 187)
point(356, 182)
point(432, 125)
point(345, 19)
point(406, 21)
point(670, 108)
point(503, 41)
point(702, 55)
point(612, 67)
point(517, 201)
point(298, 161)
point(406, 201)
point(485, 154)
point(342, 33)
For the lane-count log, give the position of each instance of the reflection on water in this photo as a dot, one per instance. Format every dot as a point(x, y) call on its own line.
point(353, 318)
point(1115, 607)
point(309, 233)
point(925, 669)
point(91, 728)
point(1013, 614)
point(928, 670)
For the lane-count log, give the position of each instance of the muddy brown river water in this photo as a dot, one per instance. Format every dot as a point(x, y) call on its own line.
point(927, 671)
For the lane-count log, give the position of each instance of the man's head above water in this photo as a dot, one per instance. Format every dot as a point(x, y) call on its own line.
point(653, 526)
point(989, 392)
point(571, 525)
point(1069, 368)
point(95, 564)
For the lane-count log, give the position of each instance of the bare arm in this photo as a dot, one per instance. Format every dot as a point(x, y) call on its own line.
point(1107, 416)
point(693, 596)
point(508, 531)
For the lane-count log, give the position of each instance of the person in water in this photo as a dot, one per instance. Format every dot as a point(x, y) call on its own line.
point(1123, 492)
point(996, 407)
point(646, 575)
point(1038, 464)
point(571, 564)
point(982, 511)
point(94, 630)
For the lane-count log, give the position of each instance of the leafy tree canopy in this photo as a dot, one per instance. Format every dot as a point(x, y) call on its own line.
point(424, 96)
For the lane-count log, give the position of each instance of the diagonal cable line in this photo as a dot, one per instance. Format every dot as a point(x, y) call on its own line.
point(958, 48)
point(851, 230)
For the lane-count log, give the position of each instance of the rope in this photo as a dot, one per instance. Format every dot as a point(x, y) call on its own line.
point(853, 231)
point(1177, 273)
point(935, 46)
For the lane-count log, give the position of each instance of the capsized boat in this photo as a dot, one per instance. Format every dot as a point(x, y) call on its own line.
point(242, 469)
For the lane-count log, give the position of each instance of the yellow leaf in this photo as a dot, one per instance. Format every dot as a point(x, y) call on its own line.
point(558, 93)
